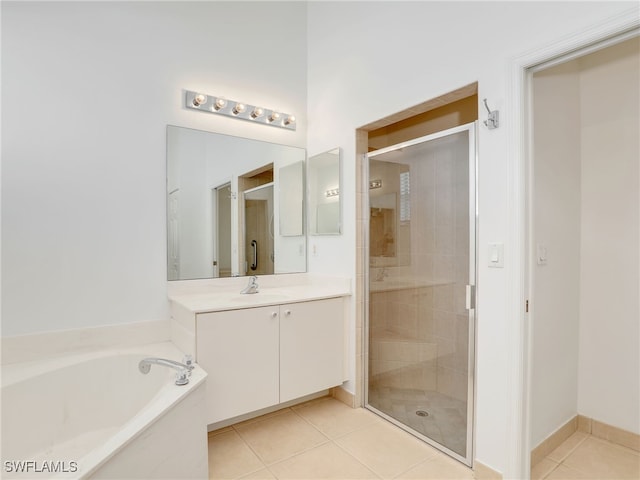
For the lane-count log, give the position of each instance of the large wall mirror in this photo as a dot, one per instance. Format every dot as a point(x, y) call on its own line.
point(235, 206)
point(325, 206)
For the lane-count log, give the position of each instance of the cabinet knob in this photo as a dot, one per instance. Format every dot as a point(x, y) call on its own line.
point(287, 313)
point(274, 314)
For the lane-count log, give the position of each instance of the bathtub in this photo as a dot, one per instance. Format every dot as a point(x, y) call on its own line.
point(94, 415)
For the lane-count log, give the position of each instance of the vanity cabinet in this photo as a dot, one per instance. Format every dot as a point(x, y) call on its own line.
point(239, 351)
point(260, 357)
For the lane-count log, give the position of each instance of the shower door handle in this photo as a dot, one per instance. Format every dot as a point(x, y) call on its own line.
point(254, 265)
point(471, 297)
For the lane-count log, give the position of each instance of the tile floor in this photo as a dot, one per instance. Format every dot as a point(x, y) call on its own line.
point(325, 439)
point(583, 456)
point(447, 419)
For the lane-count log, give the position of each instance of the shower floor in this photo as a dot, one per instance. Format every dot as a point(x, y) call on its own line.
point(446, 422)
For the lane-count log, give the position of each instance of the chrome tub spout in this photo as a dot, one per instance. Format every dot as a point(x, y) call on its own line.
point(183, 369)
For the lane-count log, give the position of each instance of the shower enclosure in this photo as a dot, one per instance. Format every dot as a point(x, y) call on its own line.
point(421, 287)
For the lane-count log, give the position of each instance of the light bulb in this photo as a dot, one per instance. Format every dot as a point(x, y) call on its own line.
point(199, 99)
point(220, 103)
point(274, 116)
point(257, 112)
point(289, 120)
point(239, 108)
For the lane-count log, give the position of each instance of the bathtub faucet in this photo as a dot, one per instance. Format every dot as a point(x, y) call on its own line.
point(183, 369)
point(252, 287)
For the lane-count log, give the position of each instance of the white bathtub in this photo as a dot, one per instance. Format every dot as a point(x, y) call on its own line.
point(94, 415)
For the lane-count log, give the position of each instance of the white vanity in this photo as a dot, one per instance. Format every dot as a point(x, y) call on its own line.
point(260, 350)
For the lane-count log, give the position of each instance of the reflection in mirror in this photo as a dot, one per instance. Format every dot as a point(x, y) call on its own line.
point(220, 199)
point(389, 219)
point(382, 225)
point(324, 193)
point(291, 200)
point(258, 229)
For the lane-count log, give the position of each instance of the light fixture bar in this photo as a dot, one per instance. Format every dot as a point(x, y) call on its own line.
point(244, 111)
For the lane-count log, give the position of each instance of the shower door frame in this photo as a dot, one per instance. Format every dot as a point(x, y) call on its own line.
point(472, 295)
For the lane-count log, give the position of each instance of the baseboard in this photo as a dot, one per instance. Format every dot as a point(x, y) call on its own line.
point(608, 432)
point(343, 396)
point(587, 425)
point(482, 472)
point(553, 441)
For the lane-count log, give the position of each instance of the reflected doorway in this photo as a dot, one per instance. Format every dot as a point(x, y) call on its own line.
point(222, 223)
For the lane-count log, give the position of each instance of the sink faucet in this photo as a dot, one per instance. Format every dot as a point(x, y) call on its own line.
point(381, 274)
point(252, 287)
point(183, 369)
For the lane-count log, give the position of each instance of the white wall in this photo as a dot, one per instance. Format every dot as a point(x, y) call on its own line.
point(87, 91)
point(585, 314)
point(368, 60)
point(556, 223)
point(609, 375)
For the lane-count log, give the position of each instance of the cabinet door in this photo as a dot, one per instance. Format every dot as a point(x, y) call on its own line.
point(311, 347)
point(239, 351)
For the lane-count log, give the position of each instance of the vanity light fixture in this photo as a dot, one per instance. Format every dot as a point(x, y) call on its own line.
point(257, 112)
point(219, 104)
point(333, 192)
point(239, 108)
point(274, 117)
point(231, 108)
point(375, 184)
point(199, 99)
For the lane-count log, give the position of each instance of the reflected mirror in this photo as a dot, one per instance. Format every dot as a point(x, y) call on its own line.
point(224, 217)
point(389, 214)
point(325, 210)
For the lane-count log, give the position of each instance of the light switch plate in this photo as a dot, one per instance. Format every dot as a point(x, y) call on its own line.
point(541, 254)
point(496, 255)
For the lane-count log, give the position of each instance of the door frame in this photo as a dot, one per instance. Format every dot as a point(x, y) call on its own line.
point(519, 256)
point(472, 129)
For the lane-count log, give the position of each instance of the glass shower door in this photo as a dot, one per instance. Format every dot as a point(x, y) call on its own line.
point(421, 312)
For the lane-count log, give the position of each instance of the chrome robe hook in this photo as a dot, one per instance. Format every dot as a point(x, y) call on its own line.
point(492, 120)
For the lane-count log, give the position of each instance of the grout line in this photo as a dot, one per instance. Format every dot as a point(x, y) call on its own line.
point(552, 470)
point(414, 466)
point(296, 454)
point(264, 465)
point(357, 459)
point(568, 454)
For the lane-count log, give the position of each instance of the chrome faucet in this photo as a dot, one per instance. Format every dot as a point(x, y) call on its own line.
point(252, 287)
point(381, 274)
point(183, 369)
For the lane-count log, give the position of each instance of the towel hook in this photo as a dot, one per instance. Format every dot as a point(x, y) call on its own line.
point(492, 120)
